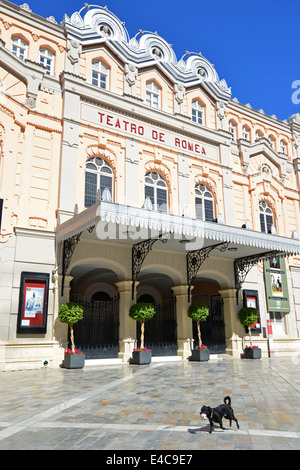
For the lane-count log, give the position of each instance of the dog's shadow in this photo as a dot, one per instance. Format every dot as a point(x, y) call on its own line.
point(206, 428)
point(203, 429)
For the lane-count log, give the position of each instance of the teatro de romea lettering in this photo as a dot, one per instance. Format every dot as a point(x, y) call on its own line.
point(128, 175)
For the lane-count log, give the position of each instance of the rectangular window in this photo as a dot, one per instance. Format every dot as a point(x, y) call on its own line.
point(149, 192)
point(262, 223)
point(105, 182)
point(199, 208)
point(90, 189)
point(269, 220)
point(208, 206)
point(161, 200)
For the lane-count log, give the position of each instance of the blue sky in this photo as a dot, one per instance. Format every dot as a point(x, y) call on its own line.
point(254, 45)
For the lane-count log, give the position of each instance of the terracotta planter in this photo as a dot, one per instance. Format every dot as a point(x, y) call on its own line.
point(200, 355)
point(74, 361)
point(141, 357)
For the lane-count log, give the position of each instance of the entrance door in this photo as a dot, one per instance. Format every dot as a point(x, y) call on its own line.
point(160, 331)
point(97, 334)
point(213, 329)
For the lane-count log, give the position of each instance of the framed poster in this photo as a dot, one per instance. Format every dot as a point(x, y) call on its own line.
point(276, 285)
point(33, 303)
point(250, 299)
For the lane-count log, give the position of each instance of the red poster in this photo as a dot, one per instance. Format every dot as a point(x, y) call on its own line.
point(33, 303)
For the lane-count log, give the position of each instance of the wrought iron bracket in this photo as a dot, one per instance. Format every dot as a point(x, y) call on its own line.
point(195, 258)
point(69, 246)
point(139, 252)
point(242, 266)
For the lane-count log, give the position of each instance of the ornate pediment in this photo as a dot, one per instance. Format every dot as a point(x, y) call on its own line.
point(262, 146)
point(96, 25)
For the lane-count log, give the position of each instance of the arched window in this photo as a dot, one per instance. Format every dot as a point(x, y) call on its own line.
point(19, 47)
point(232, 129)
point(47, 59)
point(283, 147)
point(204, 203)
point(246, 133)
point(258, 135)
point(98, 177)
point(197, 112)
point(100, 74)
point(271, 141)
point(266, 217)
point(152, 94)
point(156, 191)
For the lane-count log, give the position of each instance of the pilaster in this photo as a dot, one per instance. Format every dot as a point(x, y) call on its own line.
point(233, 327)
point(184, 323)
point(127, 327)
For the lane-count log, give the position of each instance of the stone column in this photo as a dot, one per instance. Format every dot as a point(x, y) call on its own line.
point(127, 328)
point(233, 327)
point(184, 323)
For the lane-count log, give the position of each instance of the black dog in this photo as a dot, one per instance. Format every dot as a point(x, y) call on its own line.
point(215, 415)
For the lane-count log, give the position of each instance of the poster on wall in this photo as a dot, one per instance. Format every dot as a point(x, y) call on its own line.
point(276, 285)
point(250, 299)
point(33, 303)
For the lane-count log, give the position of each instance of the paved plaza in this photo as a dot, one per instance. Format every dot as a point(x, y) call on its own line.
point(154, 407)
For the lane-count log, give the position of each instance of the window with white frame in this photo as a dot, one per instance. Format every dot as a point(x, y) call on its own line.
point(47, 60)
point(271, 141)
point(283, 147)
point(204, 203)
point(197, 112)
point(156, 190)
point(19, 48)
point(258, 135)
point(246, 133)
point(232, 129)
point(98, 177)
point(266, 217)
point(152, 94)
point(100, 74)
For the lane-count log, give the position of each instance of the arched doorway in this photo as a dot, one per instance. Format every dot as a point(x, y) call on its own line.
point(213, 329)
point(160, 331)
point(97, 334)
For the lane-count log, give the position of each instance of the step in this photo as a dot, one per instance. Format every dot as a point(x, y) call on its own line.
point(103, 362)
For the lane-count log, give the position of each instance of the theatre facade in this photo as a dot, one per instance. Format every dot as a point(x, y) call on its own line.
point(129, 175)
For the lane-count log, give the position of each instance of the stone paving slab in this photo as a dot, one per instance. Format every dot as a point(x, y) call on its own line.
point(154, 407)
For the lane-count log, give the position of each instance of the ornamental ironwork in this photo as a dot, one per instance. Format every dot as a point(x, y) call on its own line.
point(139, 252)
point(243, 265)
point(68, 250)
point(195, 258)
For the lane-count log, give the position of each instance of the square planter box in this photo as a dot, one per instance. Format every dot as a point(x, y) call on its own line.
point(252, 353)
point(200, 355)
point(74, 361)
point(141, 357)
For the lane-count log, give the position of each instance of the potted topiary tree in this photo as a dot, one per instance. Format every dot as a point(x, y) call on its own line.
point(199, 312)
point(141, 312)
point(248, 316)
point(71, 313)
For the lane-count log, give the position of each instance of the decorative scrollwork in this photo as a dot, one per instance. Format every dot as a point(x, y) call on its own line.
point(194, 260)
point(68, 250)
point(139, 253)
point(242, 266)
